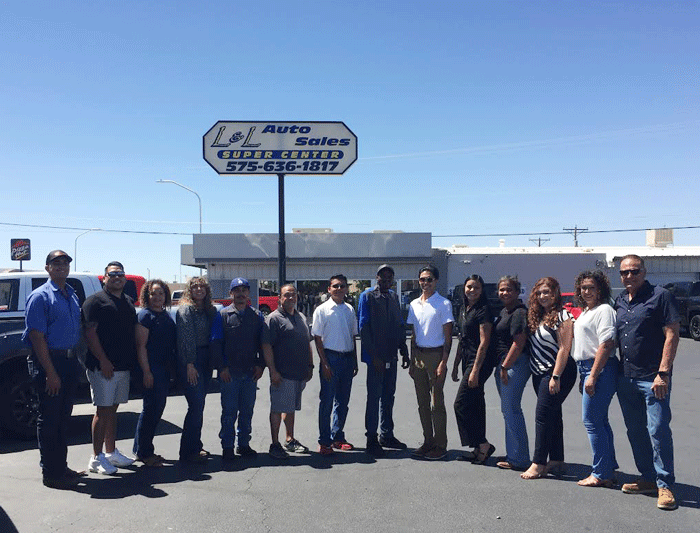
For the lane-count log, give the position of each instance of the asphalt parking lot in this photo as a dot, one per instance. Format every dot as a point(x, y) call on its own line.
point(351, 491)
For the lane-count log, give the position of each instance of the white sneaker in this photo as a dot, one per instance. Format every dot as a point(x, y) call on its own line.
point(100, 465)
point(118, 459)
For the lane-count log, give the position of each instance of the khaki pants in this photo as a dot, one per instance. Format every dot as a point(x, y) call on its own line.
point(431, 401)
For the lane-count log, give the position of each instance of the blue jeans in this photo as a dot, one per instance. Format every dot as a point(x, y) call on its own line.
point(153, 406)
point(335, 396)
point(595, 417)
point(517, 445)
point(55, 413)
point(648, 422)
point(381, 389)
point(237, 402)
point(191, 439)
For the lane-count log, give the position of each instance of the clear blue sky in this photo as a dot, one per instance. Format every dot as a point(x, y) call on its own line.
point(471, 118)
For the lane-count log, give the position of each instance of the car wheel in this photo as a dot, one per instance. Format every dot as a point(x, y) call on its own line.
point(694, 327)
point(20, 406)
point(265, 310)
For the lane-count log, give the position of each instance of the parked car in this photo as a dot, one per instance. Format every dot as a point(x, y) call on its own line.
point(687, 294)
point(132, 287)
point(568, 301)
point(19, 401)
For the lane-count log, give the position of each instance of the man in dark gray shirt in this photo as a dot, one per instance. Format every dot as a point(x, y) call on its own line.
point(290, 368)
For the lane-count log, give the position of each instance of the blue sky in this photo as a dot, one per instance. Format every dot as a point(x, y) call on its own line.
point(471, 118)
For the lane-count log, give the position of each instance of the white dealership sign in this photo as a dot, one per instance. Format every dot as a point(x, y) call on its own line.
point(280, 147)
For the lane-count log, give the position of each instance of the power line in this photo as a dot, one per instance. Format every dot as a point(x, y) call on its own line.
point(558, 232)
point(575, 231)
point(39, 226)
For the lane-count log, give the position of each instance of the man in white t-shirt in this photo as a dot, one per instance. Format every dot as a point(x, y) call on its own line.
point(431, 318)
point(334, 329)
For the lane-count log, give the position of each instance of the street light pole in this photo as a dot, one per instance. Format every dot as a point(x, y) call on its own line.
point(198, 199)
point(75, 247)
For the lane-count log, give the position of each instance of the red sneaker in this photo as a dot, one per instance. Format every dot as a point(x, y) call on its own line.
point(343, 445)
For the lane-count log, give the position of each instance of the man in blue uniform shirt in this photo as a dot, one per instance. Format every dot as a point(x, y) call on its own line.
point(647, 333)
point(53, 331)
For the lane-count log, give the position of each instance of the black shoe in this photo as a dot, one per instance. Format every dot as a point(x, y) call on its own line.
point(227, 454)
point(392, 442)
point(374, 448)
point(62, 483)
point(72, 474)
point(246, 451)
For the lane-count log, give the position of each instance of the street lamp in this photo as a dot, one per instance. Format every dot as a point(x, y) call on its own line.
point(193, 192)
point(75, 247)
point(198, 199)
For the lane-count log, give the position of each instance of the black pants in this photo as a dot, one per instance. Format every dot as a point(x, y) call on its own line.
point(55, 413)
point(549, 426)
point(470, 408)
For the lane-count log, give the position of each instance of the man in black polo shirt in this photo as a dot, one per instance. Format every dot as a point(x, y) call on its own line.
point(290, 368)
point(647, 333)
point(110, 332)
point(244, 339)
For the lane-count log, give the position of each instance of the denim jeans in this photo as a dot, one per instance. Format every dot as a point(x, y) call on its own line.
point(54, 414)
point(153, 406)
point(335, 396)
point(237, 403)
point(595, 417)
point(381, 389)
point(648, 422)
point(191, 439)
point(517, 445)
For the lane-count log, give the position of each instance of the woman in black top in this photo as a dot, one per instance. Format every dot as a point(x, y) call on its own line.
point(155, 348)
point(510, 336)
point(475, 325)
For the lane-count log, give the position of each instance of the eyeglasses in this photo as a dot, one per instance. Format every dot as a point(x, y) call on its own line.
point(630, 272)
point(116, 274)
point(338, 286)
point(426, 280)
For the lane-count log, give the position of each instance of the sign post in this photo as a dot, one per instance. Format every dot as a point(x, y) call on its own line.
point(20, 250)
point(280, 148)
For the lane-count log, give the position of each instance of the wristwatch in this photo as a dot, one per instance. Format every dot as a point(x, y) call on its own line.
point(662, 374)
point(555, 377)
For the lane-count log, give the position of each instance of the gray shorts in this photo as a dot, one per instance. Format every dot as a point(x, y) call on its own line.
point(286, 397)
point(107, 392)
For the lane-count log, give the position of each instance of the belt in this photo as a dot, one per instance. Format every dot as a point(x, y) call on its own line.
point(431, 349)
point(337, 352)
point(62, 352)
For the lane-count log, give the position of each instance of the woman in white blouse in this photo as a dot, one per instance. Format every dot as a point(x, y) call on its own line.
point(594, 353)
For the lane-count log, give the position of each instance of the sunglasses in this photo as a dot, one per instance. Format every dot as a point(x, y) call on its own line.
point(116, 274)
point(338, 286)
point(426, 280)
point(630, 272)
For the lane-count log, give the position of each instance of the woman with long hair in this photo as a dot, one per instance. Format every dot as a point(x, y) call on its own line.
point(155, 348)
point(553, 374)
point(594, 353)
point(512, 372)
point(476, 356)
point(195, 317)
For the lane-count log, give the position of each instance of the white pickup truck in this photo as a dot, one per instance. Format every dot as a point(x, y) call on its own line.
point(18, 397)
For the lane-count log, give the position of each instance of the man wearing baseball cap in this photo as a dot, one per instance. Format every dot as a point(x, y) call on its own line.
point(53, 330)
point(241, 342)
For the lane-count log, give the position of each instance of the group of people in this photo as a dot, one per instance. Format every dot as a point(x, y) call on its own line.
point(542, 341)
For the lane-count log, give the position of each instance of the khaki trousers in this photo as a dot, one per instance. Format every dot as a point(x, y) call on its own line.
point(429, 392)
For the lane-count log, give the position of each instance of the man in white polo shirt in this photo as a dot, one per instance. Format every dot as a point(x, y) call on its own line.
point(334, 329)
point(431, 318)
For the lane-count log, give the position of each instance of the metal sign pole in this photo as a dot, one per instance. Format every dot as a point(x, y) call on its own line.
point(282, 246)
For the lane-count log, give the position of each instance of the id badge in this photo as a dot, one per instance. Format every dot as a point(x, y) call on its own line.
point(388, 366)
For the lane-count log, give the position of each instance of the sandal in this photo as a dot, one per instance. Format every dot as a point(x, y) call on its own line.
point(592, 481)
point(481, 457)
point(537, 474)
point(152, 460)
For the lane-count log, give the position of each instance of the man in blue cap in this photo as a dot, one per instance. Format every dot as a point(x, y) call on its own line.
point(241, 342)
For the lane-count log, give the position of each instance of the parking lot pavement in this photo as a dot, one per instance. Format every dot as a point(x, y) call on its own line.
point(351, 491)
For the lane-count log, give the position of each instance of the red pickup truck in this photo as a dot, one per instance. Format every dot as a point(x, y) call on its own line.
point(267, 301)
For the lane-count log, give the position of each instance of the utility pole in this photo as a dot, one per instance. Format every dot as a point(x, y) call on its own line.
point(539, 241)
point(575, 231)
